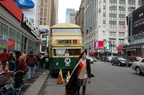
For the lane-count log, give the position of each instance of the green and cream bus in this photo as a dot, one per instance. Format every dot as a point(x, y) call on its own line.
point(65, 47)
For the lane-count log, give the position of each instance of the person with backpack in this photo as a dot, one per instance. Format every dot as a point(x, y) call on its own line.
point(31, 62)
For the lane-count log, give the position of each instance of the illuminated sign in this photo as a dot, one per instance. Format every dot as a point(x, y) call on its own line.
point(101, 45)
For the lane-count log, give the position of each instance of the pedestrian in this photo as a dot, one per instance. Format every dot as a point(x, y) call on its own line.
point(12, 62)
point(80, 74)
point(24, 55)
point(4, 58)
point(32, 62)
point(41, 60)
point(46, 60)
point(20, 63)
point(38, 60)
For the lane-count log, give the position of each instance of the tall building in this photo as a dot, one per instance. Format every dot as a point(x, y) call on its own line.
point(48, 16)
point(48, 12)
point(79, 18)
point(70, 15)
point(105, 20)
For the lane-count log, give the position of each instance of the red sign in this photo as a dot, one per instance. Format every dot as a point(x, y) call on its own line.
point(99, 45)
point(74, 41)
point(119, 47)
point(13, 8)
point(11, 43)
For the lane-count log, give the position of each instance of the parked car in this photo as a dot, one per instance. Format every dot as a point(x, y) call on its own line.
point(138, 66)
point(120, 61)
point(134, 58)
point(91, 58)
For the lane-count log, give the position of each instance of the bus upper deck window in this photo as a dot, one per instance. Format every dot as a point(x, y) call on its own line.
point(59, 30)
point(73, 30)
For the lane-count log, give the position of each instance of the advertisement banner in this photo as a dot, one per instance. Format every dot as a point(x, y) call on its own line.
point(99, 45)
point(11, 43)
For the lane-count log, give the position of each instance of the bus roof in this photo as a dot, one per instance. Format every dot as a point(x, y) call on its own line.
point(65, 25)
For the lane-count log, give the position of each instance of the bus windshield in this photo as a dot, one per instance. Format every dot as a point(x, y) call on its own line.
point(67, 52)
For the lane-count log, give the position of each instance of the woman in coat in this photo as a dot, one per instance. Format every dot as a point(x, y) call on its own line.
point(80, 74)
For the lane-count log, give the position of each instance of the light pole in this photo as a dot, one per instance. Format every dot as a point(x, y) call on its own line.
point(104, 48)
point(111, 44)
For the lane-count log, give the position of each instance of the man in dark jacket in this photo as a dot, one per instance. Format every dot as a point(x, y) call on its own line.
point(31, 60)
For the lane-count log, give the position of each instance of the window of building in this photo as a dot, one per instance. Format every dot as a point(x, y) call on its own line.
point(121, 34)
point(121, 41)
point(1, 28)
point(113, 4)
point(112, 18)
point(112, 33)
point(113, 26)
point(113, 41)
point(5, 30)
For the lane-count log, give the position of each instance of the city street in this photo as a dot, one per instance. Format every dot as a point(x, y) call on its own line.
point(108, 80)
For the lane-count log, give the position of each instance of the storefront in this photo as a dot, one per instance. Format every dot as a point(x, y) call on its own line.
point(132, 50)
point(14, 34)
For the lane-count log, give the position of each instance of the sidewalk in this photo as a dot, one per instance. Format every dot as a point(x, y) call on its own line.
point(34, 86)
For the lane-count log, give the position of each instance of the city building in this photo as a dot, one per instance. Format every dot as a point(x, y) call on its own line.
point(105, 20)
point(47, 17)
point(70, 15)
point(16, 31)
point(48, 12)
point(135, 33)
point(79, 18)
point(141, 2)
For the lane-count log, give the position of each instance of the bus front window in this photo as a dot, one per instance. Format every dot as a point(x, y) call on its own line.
point(59, 52)
point(67, 52)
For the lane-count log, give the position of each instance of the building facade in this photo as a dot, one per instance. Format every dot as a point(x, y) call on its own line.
point(105, 20)
point(15, 32)
point(48, 12)
point(79, 18)
point(47, 17)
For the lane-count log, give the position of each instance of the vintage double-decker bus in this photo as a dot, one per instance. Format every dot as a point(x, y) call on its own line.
point(65, 46)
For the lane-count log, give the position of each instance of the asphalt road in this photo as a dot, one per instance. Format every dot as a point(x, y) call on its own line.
point(108, 80)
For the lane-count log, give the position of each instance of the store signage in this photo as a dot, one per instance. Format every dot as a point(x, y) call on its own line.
point(11, 43)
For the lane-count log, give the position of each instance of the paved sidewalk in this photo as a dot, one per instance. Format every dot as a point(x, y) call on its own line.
point(34, 86)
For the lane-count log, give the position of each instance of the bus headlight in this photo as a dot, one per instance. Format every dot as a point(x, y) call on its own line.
point(57, 63)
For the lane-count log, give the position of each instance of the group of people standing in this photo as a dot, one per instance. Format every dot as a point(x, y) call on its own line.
point(18, 60)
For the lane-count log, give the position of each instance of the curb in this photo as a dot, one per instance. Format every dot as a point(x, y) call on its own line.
point(36, 87)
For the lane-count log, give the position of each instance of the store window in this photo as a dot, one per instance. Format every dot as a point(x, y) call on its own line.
point(5, 30)
point(0, 28)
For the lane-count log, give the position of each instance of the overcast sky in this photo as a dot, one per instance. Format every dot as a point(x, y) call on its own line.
point(63, 5)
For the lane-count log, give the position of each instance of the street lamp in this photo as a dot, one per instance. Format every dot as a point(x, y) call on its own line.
point(111, 44)
point(104, 47)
